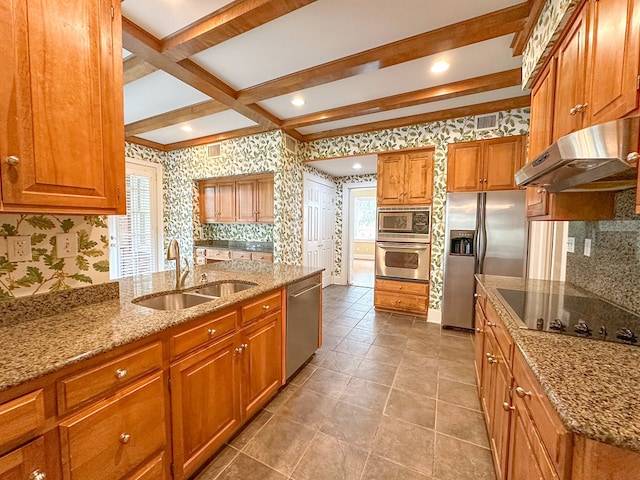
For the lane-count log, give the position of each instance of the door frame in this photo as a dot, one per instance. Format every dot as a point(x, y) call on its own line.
point(346, 253)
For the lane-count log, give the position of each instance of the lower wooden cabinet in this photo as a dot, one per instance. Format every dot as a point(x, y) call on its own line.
point(584, 206)
point(407, 297)
point(26, 462)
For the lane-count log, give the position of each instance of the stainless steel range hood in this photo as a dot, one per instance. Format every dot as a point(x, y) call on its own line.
point(606, 154)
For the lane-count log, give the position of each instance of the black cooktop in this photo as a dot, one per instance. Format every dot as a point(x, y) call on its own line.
point(587, 317)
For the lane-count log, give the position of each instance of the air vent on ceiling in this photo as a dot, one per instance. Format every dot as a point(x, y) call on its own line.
point(213, 150)
point(486, 122)
point(290, 144)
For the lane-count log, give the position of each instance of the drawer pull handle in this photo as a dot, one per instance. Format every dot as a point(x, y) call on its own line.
point(37, 475)
point(265, 307)
point(491, 324)
point(522, 393)
point(244, 345)
point(124, 438)
point(506, 407)
point(121, 373)
point(239, 350)
point(492, 360)
point(479, 330)
point(211, 332)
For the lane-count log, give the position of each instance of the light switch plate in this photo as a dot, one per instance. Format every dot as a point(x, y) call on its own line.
point(571, 244)
point(587, 247)
point(67, 245)
point(19, 248)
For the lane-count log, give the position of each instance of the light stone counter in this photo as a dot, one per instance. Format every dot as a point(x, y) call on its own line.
point(593, 385)
point(35, 347)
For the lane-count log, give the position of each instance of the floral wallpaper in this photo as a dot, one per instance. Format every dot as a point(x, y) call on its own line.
point(554, 17)
point(438, 134)
point(46, 272)
point(237, 231)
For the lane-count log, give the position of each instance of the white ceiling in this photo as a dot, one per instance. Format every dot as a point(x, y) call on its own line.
point(322, 31)
point(342, 167)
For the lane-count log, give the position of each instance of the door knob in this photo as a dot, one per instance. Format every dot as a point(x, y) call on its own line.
point(12, 160)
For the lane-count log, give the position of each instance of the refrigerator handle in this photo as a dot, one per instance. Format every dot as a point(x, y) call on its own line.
point(483, 232)
point(476, 238)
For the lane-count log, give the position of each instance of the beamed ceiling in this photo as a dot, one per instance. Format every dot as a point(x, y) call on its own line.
point(202, 71)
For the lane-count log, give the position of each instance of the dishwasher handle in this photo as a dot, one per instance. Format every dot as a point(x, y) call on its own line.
point(317, 285)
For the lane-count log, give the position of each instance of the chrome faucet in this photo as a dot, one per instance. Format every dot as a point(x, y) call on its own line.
point(173, 253)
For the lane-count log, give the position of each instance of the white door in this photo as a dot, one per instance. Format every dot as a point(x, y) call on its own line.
point(319, 225)
point(135, 239)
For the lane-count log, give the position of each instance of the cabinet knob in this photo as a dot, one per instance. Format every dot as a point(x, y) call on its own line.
point(479, 330)
point(12, 160)
point(475, 295)
point(633, 157)
point(211, 332)
point(244, 346)
point(491, 324)
point(239, 350)
point(124, 438)
point(37, 475)
point(521, 392)
point(507, 407)
point(121, 373)
point(265, 307)
point(573, 110)
point(539, 190)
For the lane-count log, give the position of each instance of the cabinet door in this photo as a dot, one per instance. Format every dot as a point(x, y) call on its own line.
point(541, 122)
point(478, 346)
point(204, 405)
point(225, 202)
point(502, 158)
point(261, 359)
point(464, 172)
point(246, 200)
point(61, 120)
point(537, 204)
point(208, 206)
point(390, 179)
point(418, 178)
point(571, 78)
point(24, 463)
point(488, 377)
point(499, 427)
point(264, 200)
point(615, 59)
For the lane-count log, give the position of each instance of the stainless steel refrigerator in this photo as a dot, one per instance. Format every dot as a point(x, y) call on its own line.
point(485, 233)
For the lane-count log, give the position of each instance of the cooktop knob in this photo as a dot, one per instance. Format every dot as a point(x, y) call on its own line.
point(626, 335)
point(556, 325)
point(540, 323)
point(582, 328)
point(603, 331)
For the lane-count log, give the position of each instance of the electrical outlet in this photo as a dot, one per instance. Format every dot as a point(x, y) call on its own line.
point(19, 248)
point(66, 245)
point(587, 247)
point(571, 244)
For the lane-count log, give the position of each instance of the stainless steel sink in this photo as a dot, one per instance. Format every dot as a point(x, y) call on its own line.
point(224, 288)
point(173, 301)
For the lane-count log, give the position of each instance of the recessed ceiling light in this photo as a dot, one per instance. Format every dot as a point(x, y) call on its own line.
point(357, 166)
point(186, 128)
point(440, 67)
point(298, 101)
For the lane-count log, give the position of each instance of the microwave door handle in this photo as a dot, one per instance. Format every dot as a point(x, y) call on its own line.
point(400, 246)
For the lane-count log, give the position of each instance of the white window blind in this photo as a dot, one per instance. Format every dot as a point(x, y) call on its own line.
point(364, 225)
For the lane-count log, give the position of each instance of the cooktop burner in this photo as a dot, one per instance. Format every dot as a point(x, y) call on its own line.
point(587, 317)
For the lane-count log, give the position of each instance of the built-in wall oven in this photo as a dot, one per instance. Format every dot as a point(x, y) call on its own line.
point(403, 249)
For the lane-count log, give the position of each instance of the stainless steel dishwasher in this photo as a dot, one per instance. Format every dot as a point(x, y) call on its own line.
point(303, 317)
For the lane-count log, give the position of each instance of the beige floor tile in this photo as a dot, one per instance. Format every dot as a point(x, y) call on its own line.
point(379, 468)
point(308, 407)
point(342, 362)
point(458, 460)
point(363, 393)
point(361, 335)
point(327, 458)
point(384, 355)
point(397, 342)
point(376, 372)
point(303, 374)
point(218, 464)
point(353, 425)
point(412, 408)
point(251, 429)
point(417, 380)
point(462, 423)
point(327, 382)
point(353, 347)
point(461, 370)
point(461, 394)
point(248, 468)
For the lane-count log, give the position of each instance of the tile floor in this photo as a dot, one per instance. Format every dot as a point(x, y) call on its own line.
point(363, 273)
point(387, 397)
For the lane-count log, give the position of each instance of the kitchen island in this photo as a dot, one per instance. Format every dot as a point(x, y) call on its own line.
point(114, 389)
point(591, 387)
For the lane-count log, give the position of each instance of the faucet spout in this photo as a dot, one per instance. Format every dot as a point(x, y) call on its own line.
point(173, 253)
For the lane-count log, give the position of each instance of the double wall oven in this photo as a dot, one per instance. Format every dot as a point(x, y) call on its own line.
point(403, 243)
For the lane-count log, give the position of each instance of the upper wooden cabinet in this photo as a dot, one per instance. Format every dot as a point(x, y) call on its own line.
point(61, 115)
point(405, 178)
point(541, 120)
point(245, 199)
point(484, 165)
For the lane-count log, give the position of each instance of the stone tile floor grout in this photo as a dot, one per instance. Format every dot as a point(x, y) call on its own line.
point(454, 448)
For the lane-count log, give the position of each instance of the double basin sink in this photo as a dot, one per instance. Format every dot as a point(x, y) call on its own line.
point(182, 300)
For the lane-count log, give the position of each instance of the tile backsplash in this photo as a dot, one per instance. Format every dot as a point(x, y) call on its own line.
point(613, 269)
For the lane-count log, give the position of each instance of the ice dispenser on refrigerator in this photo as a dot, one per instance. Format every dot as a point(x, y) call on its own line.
point(462, 242)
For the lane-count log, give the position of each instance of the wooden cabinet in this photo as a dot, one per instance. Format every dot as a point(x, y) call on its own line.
point(61, 120)
point(484, 165)
point(264, 199)
point(408, 297)
point(254, 200)
point(204, 404)
point(585, 206)
point(246, 199)
point(542, 101)
point(217, 201)
point(24, 463)
point(405, 178)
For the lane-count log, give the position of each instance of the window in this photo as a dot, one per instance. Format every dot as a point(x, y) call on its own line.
point(134, 237)
point(364, 225)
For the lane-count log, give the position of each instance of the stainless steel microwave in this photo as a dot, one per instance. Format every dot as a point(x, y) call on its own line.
point(404, 224)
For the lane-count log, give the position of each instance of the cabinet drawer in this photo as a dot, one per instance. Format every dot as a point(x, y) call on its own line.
point(218, 254)
point(402, 287)
point(235, 255)
point(154, 470)
point(556, 439)
point(21, 418)
point(77, 389)
point(113, 438)
point(262, 257)
point(401, 302)
point(266, 304)
point(504, 340)
point(215, 326)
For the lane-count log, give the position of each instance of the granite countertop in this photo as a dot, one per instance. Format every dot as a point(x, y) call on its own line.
point(263, 247)
point(593, 385)
point(38, 346)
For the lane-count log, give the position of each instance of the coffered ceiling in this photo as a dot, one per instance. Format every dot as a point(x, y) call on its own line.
point(201, 71)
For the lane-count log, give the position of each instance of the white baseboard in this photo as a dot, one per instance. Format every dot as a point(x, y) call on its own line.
point(434, 316)
point(362, 256)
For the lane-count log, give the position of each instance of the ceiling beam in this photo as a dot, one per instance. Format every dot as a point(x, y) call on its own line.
point(146, 143)
point(174, 117)
point(234, 19)
point(218, 137)
point(478, 29)
point(145, 45)
point(478, 109)
point(135, 68)
point(522, 37)
point(485, 83)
